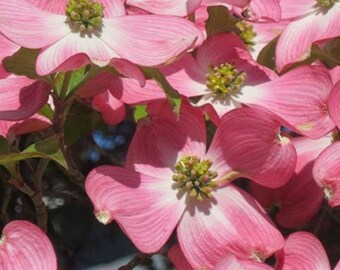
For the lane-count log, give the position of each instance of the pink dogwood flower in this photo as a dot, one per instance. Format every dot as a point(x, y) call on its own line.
point(97, 32)
point(314, 21)
point(23, 246)
point(171, 181)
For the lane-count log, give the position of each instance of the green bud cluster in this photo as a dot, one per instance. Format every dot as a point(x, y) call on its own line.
point(193, 176)
point(246, 32)
point(326, 3)
point(85, 14)
point(225, 79)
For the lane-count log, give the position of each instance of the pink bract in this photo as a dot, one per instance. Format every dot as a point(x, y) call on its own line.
point(302, 251)
point(113, 110)
point(229, 262)
point(23, 246)
point(10, 129)
point(21, 97)
point(326, 173)
point(299, 98)
point(120, 36)
point(167, 7)
point(144, 201)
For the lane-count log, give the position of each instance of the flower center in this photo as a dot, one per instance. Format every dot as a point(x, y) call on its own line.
point(246, 32)
point(85, 15)
point(225, 79)
point(326, 3)
point(193, 176)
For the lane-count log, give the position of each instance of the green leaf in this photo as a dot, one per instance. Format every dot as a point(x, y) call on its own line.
point(139, 112)
point(47, 112)
point(330, 55)
point(80, 121)
point(171, 93)
point(76, 77)
point(220, 21)
point(4, 150)
point(267, 55)
point(22, 63)
point(48, 149)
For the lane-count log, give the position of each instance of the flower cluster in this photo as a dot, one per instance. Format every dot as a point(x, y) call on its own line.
point(231, 91)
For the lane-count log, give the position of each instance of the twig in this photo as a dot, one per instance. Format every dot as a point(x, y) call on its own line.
point(5, 203)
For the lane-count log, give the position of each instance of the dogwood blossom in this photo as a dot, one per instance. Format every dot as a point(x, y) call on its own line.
point(171, 181)
point(96, 32)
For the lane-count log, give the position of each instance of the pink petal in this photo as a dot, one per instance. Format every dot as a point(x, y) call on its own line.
point(50, 59)
point(302, 251)
point(56, 6)
point(337, 267)
point(14, 128)
point(112, 109)
point(161, 140)
point(295, 41)
point(129, 70)
point(334, 104)
point(326, 173)
point(167, 7)
point(301, 198)
point(22, 100)
point(96, 85)
point(113, 8)
point(262, 9)
point(238, 3)
point(16, 24)
point(24, 246)
point(107, 80)
point(176, 256)
point(223, 47)
point(7, 48)
point(150, 40)
point(231, 223)
point(298, 200)
point(131, 92)
point(305, 111)
point(186, 76)
point(145, 207)
point(293, 9)
point(248, 140)
point(230, 262)
point(216, 108)
point(3, 73)
point(265, 32)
